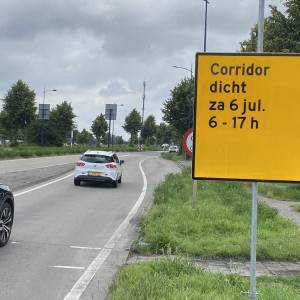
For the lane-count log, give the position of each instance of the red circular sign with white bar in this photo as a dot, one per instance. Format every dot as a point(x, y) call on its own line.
point(187, 142)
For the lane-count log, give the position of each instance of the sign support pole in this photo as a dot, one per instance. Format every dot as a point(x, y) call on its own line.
point(260, 49)
point(108, 140)
point(252, 293)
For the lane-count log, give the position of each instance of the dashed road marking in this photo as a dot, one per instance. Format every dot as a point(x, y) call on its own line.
point(83, 282)
point(68, 267)
point(85, 248)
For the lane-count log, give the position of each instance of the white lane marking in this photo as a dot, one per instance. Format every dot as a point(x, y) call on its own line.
point(83, 282)
point(15, 242)
point(43, 185)
point(68, 267)
point(85, 248)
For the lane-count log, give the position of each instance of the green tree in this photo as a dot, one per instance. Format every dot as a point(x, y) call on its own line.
point(51, 135)
point(166, 134)
point(178, 109)
point(133, 124)
point(119, 140)
point(281, 32)
point(62, 120)
point(84, 137)
point(19, 110)
point(99, 127)
point(148, 130)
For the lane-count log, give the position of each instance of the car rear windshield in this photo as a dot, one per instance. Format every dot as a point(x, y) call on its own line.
point(96, 159)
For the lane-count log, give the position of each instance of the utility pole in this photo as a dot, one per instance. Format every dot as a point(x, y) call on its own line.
point(144, 97)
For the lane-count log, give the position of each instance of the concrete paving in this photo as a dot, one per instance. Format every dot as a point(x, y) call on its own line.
point(233, 266)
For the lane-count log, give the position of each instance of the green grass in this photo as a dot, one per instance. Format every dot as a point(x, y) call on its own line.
point(173, 156)
point(280, 191)
point(218, 227)
point(33, 151)
point(297, 207)
point(177, 280)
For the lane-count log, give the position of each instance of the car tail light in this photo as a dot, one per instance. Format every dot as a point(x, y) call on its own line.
point(80, 163)
point(111, 166)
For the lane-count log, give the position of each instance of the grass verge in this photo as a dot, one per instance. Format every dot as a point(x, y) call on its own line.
point(218, 227)
point(33, 151)
point(173, 156)
point(297, 207)
point(280, 191)
point(176, 280)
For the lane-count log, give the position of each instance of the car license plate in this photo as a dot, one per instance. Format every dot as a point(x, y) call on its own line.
point(94, 173)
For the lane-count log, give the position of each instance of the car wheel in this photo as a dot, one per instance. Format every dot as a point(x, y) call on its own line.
point(76, 182)
point(6, 221)
point(115, 184)
point(120, 179)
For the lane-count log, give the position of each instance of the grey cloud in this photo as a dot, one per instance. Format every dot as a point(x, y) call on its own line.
point(115, 88)
point(82, 47)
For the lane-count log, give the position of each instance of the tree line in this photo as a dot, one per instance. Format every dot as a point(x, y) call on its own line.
point(19, 119)
point(20, 122)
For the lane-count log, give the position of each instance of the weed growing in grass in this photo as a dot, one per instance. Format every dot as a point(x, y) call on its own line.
point(219, 226)
point(177, 279)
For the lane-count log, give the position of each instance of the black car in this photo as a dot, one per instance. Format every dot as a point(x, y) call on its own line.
point(6, 213)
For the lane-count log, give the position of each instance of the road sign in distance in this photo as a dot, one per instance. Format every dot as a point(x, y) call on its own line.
point(247, 117)
point(111, 112)
point(187, 142)
point(44, 111)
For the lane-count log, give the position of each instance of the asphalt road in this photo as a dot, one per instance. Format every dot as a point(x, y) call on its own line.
point(68, 241)
point(21, 173)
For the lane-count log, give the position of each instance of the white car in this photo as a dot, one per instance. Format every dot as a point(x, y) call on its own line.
point(98, 166)
point(174, 148)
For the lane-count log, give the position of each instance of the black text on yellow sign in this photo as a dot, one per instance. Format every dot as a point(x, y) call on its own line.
point(247, 117)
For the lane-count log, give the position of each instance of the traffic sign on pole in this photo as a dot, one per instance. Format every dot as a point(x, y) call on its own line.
point(187, 142)
point(247, 117)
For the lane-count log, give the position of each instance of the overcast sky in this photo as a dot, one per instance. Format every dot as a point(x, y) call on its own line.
point(100, 51)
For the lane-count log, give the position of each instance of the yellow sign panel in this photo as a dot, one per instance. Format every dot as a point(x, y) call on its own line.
point(247, 117)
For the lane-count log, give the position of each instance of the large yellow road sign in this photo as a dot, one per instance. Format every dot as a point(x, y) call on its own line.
point(247, 117)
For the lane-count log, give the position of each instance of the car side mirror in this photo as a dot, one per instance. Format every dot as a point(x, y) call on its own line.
point(121, 161)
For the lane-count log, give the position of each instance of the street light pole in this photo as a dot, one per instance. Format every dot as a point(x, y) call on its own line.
point(190, 70)
point(194, 195)
point(205, 24)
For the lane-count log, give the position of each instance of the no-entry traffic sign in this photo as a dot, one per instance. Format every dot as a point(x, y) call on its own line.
point(187, 142)
point(247, 117)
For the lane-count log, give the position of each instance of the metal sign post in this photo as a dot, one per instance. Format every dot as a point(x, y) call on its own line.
point(252, 292)
point(110, 115)
point(187, 145)
point(260, 49)
point(44, 114)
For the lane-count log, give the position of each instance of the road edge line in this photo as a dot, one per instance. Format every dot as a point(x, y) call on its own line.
point(82, 283)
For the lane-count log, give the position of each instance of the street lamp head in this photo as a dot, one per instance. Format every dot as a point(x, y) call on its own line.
point(183, 68)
